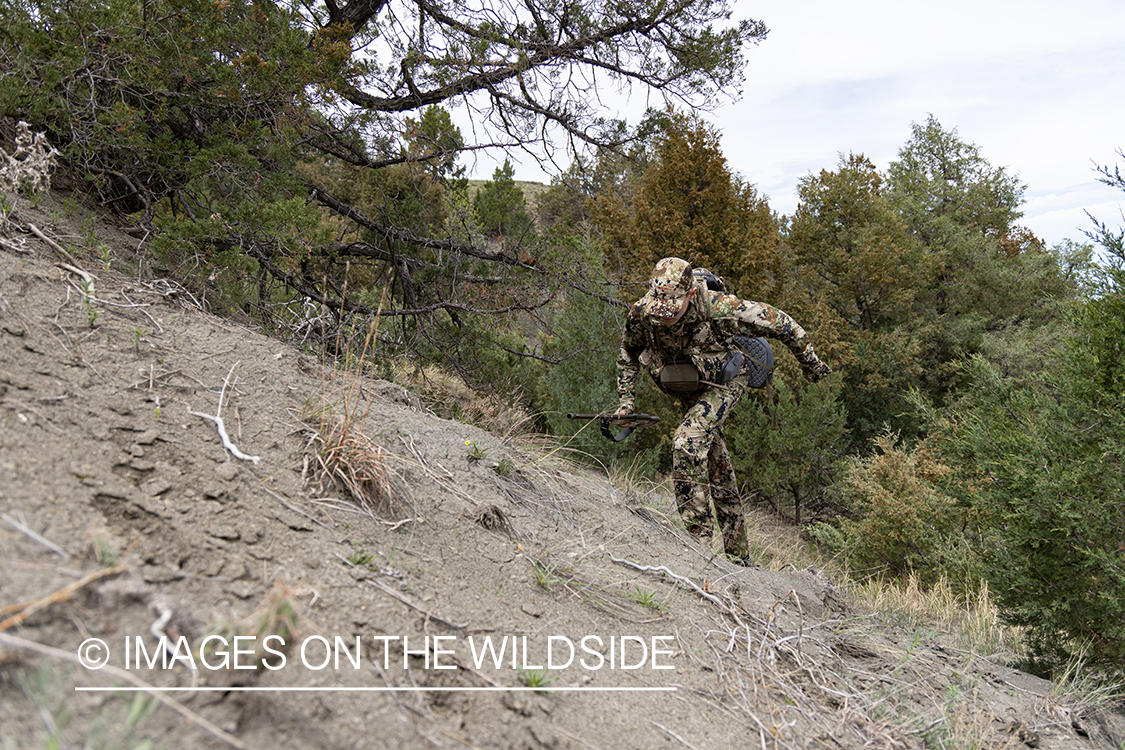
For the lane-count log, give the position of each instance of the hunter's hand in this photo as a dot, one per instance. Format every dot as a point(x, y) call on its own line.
point(816, 371)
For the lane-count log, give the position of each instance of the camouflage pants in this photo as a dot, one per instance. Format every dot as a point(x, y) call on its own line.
point(702, 473)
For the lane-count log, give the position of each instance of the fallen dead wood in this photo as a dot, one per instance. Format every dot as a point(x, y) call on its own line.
point(234, 451)
point(66, 592)
point(23, 528)
point(663, 569)
point(218, 420)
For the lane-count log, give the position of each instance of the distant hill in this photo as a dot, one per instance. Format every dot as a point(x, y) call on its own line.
point(531, 193)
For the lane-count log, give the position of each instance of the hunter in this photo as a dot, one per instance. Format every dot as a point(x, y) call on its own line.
point(682, 333)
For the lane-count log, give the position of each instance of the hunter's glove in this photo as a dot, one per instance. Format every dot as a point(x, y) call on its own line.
point(815, 370)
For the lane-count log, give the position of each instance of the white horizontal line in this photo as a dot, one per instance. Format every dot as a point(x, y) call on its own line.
point(378, 689)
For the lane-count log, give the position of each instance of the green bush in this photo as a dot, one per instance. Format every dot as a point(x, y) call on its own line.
point(1045, 459)
point(583, 346)
point(1047, 466)
point(500, 207)
point(899, 522)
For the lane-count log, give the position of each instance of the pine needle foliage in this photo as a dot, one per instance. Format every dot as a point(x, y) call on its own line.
point(898, 520)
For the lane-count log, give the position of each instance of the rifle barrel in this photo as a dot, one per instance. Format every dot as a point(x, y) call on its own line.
point(616, 417)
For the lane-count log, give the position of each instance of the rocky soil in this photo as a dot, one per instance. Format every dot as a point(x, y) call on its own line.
point(126, 520)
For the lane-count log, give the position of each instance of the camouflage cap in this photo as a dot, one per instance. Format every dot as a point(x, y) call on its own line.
point(671, 282)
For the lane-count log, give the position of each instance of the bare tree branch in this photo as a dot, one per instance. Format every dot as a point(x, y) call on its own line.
point(411, 238)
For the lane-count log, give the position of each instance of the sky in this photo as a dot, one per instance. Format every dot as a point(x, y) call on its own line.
point(1038, 86)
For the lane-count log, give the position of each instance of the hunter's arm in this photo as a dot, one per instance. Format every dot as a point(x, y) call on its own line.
point(760, 319)
point(629, 362)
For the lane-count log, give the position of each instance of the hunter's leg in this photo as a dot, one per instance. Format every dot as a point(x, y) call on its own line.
point(728, 503)
point(692, 445)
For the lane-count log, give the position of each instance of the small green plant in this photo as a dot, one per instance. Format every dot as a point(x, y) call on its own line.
point(506, 467)
point(106, 731)
point(278, 615)
point(105, 255)
point(89, 231)
point(646, 599)
point(536, 678)
point(104, 552)
point(361, 558)
point(88, 300)
point(476, 453)
point(138, 334)
point(545, 573)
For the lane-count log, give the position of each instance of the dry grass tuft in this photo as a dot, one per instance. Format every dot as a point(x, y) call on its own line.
point(275, 619)
point(968, 726)
point(1085, 691)
point(634, 478)
point(775, 543)
point(345, 457)
point(349, 461)
point(974, 617)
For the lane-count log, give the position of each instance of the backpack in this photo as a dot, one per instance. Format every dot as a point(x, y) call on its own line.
point(756, 349)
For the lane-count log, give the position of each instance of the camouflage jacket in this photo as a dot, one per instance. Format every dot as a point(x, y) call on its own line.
point(703, 335)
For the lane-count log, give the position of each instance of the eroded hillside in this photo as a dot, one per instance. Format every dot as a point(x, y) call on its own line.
point(125, 518)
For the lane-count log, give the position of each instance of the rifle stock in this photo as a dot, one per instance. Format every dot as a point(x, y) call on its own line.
point(629, 421)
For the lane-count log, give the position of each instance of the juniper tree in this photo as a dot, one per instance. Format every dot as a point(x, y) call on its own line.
point(989, 279)
point(854, 256)
point(1045, 459)
point(500, 205)
point(687, 202)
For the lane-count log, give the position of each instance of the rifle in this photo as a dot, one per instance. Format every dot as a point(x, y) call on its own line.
point(629, 421)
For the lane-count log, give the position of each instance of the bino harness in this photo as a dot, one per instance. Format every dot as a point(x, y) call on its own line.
point(682, 375)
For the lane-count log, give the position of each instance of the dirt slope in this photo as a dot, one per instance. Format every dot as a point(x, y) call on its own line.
point(103, 461)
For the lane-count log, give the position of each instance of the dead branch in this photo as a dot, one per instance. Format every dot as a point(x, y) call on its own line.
point(66, 592)
point(67, 257)
point(662, 569)
point(37, 537)
point(231, 447)
point(282, 500)
point(429, 615)
point(673, 735)
point(218, 420)
point(443, 482)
